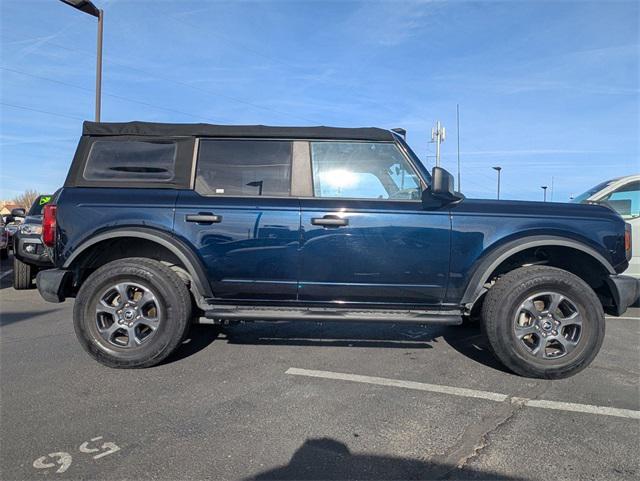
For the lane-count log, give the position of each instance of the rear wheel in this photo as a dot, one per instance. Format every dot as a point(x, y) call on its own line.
point(23, 274)
point(132, 313)
point(543, 322)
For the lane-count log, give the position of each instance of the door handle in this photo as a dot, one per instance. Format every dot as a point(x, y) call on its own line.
point(203, 218)
point(329, 221)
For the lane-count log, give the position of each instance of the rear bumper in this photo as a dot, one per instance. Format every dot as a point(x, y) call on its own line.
point(51, 284)
point(625, 290)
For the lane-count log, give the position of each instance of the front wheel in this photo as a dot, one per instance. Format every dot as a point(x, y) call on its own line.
point(23, 274)
point(543, 322)
point(132, 313)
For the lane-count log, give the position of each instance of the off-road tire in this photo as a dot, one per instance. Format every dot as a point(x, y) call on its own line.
point(23, 275)
point(170, 291)
point(503, 302)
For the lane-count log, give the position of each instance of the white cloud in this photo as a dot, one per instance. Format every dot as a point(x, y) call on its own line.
point(389, 23)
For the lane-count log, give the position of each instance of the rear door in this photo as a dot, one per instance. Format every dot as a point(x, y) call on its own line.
point(366, 238)
point(242, 219)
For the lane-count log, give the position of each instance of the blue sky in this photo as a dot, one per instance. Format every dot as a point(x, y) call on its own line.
point(546, 89)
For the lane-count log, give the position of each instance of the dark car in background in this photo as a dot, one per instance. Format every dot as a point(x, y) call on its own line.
point(12, 223)
point(4, 240)
point(29, 254)
point(159, 225)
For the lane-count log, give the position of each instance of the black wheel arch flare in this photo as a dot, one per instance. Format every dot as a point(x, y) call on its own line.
point(179, 248)
point(490, 262)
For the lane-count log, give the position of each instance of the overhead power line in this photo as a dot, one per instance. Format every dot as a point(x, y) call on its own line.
point(155, 76)
point(22, 107)
point(67, 84)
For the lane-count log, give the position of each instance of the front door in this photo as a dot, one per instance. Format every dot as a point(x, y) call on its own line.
point(241, 219)
point(366, 238)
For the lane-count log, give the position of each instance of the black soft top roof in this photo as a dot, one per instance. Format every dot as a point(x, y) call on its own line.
point(255, 131)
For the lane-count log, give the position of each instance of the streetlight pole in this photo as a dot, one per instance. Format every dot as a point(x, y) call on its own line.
point(498, 169)
point(87, 7)
point(544, 189)
point(458, 132)
point(99, 66)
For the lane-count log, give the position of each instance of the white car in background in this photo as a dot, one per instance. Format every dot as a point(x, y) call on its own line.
point(622, 195)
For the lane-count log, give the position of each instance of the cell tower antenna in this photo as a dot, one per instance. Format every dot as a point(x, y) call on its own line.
point(438, 135)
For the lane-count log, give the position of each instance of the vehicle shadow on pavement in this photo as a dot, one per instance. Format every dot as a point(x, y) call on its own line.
point(469, 341)
point(7, 282)
point(7, 318)
point(198, 338)
point(466, 339)
point(327, 458)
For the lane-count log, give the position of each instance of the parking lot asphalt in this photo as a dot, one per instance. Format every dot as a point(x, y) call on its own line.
point(308, 401)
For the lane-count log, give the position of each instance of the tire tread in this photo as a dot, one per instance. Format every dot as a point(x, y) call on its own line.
point(22, 275)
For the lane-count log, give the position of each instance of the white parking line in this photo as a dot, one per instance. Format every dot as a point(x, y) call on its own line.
point(473, 393)
point(5, 274)
point(611, 318)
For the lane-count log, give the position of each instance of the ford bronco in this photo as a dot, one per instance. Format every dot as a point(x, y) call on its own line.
point(160, 225)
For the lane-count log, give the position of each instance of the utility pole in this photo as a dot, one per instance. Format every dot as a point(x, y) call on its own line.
point(438, 135)
point(544, 189)
point(552, 189)
point(498, 169)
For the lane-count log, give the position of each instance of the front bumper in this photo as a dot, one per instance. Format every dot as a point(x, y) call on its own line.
point(29, 249)
point(625, 290)
point(52, 284)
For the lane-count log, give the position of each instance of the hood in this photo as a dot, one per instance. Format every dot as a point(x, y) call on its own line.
point(537, 209)
point(33, 219)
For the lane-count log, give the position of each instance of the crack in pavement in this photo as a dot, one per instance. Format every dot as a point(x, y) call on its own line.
point(475, 439)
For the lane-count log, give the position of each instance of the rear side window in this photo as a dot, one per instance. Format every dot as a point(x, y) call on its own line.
point(131, 160)
point(244, 168)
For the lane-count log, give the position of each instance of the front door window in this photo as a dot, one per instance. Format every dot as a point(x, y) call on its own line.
point(362, 170)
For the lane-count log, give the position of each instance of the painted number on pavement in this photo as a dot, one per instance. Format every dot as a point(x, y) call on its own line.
point(62, 460)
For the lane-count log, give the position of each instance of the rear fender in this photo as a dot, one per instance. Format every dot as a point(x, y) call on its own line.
point(180, 249)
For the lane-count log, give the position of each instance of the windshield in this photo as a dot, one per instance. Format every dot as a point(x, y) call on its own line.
point(38, 205)
point(581, 199)
point(417, 162)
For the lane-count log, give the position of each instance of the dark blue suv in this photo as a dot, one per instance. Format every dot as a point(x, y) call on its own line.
point(160, 225)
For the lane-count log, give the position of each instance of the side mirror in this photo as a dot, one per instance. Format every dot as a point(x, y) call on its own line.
point(20, 212)
point(441, 191)
point(442, 184)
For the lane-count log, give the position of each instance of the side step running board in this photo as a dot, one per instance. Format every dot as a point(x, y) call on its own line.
point(248, 313)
